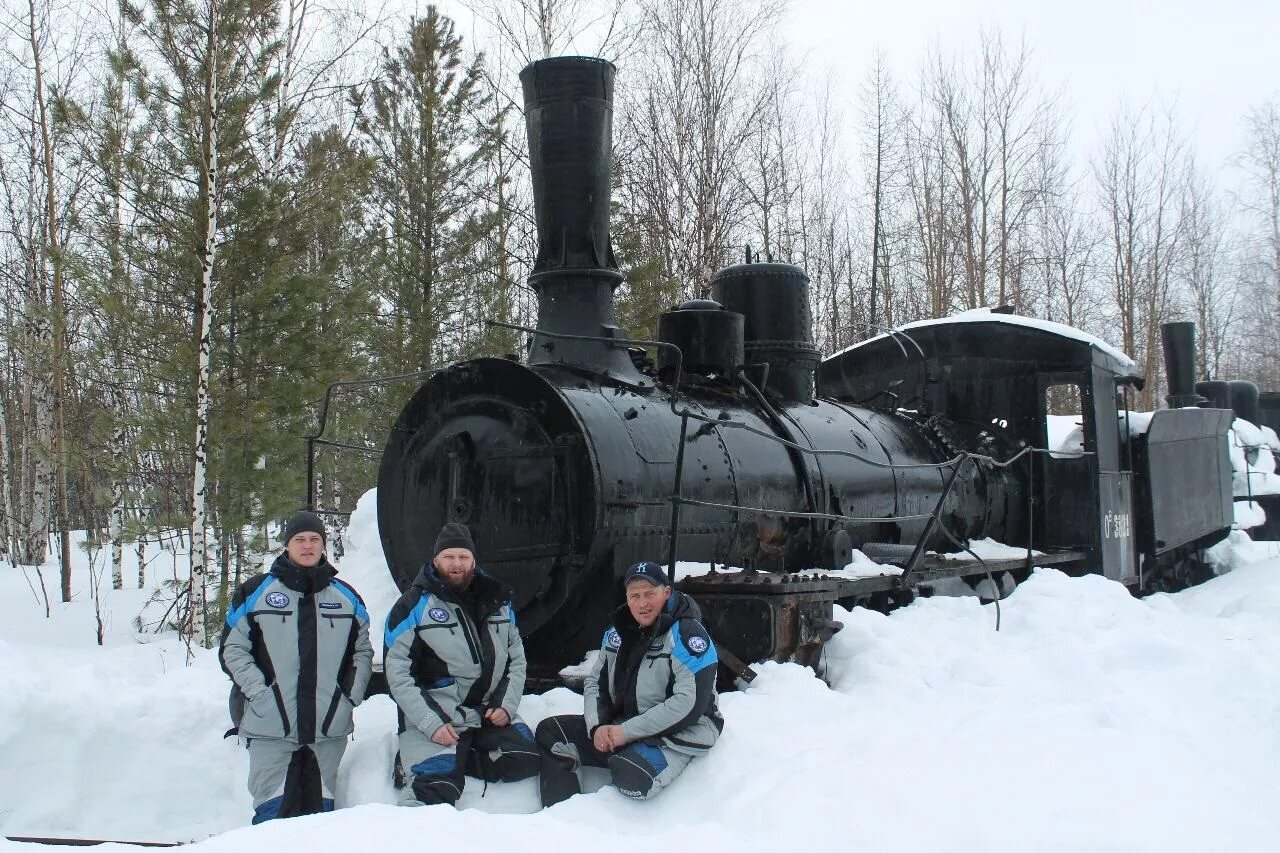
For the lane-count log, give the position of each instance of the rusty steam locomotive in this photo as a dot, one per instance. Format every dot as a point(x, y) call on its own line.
point(731, 441)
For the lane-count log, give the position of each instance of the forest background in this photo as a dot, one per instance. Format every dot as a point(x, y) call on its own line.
point(210, 210)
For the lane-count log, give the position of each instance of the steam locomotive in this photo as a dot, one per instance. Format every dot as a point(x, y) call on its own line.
point(731, 441)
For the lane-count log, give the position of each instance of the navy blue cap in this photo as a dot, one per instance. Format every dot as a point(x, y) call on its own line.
point(651, 572)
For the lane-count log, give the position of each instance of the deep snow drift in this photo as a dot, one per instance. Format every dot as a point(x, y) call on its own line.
point(1090, 721)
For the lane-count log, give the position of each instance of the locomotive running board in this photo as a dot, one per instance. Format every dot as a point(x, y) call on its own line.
point(935, 568)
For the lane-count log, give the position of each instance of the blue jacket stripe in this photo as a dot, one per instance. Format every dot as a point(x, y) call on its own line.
point(350, 593)
point(681, 653)
point(236, 615)
point(409, 623)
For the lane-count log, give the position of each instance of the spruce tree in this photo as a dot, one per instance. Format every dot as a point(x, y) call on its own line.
point(421, 122)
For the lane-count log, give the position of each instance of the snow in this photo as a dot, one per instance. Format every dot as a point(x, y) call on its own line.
point(1253, 459)
point(990, 549)
point(862, 566)
point(1091, 721)
point(1271, 439)
point(1066, 432)
point(986, 315)
point(1239, 548)
point(1248, 514)
point(1066, 435)
point(1139, 422)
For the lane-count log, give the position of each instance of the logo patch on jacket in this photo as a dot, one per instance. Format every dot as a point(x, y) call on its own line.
point(696, 644)
point(331, 605)
point(612, 640)
point(277, 600)
point(438, 614)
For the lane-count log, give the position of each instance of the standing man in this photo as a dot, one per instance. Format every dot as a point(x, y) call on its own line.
point(649, 702)
point(296, 645)
point(455, 666)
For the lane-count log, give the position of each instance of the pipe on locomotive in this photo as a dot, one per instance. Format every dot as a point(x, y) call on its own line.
point(568, 107)
point(1179, 344)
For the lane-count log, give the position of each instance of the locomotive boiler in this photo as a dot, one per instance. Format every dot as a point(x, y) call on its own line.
point(713, 444)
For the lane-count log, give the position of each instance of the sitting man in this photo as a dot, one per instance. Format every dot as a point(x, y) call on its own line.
point(455, 666)
point(649, 702)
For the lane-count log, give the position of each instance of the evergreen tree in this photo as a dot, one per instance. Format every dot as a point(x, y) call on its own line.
point(422, 121)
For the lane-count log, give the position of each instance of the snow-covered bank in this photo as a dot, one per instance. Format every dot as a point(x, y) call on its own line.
point(1091, 721)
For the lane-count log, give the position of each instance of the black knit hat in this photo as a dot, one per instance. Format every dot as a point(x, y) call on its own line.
point(650, 572)
point(454, 535)
point(303, 522)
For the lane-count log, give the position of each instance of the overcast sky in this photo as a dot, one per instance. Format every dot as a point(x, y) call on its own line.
point(1215, 60)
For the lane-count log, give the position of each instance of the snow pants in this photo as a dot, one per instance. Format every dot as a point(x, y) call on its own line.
point(287, 780)
point(436, 774)
point(639, 770)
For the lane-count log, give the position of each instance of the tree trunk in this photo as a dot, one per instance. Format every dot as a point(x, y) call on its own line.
point(6, 467)
point(57, 309)
point(115, 523)
point(141, 551)
point(224, 577)
point(204, 311)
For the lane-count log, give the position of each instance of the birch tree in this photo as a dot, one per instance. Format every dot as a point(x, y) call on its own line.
point(39, 194)
point(54, 252)
point(882, 123)
point(928, 166)
point(200, 89)
point(536, 29)
point(1260, 200)
point(687, 124)
point(1139, 176)
point(1205, 269)
point(207, 202)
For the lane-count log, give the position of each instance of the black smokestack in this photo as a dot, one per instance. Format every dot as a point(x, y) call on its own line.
point(1179, 340)
point(568, 111)
point(568, 103)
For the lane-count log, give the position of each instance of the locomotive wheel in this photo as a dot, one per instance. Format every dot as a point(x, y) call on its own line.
point(1179, 571)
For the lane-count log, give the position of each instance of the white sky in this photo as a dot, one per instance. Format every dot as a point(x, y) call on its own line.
point(1215, 60)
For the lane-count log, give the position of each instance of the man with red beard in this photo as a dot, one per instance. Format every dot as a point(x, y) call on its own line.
point(455, 666)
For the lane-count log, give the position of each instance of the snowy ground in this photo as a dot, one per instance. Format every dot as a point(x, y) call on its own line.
point(1091, 721)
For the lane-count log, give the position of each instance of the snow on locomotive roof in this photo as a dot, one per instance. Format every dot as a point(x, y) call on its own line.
point(986, 315)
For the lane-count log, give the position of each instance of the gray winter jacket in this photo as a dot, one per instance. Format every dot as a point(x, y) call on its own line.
point(658, 683)
point(296, 644)
point(450, 657)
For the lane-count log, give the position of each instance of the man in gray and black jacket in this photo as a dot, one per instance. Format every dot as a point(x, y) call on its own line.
point(455, 666)
point(649, 702)
point(296, 645)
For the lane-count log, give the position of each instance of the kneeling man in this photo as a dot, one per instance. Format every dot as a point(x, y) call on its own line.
point(455, 667)
point(649, 702)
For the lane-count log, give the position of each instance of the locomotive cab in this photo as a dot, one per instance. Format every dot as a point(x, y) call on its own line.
point(1026, 380)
